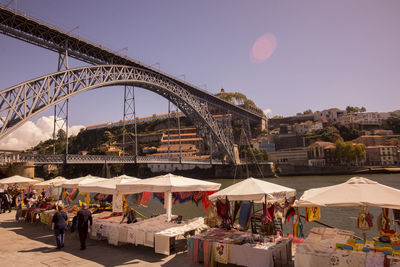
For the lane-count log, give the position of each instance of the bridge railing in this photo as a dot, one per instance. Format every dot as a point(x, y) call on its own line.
point(109, 159)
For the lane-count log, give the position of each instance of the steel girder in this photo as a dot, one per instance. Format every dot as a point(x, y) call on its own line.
point(26, 100)
point(30, 30)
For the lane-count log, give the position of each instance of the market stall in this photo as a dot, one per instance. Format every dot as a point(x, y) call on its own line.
point(52, 187)
point(17, 180)
point(244, 247)
point(108, 187)
point(323, 245)
point(161, 231)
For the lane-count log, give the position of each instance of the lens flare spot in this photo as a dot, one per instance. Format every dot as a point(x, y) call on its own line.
point(263, 48)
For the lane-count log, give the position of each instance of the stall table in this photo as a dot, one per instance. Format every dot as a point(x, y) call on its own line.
point(243, 248)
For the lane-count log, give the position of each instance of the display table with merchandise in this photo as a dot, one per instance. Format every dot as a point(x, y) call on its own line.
point(335, 247)
point(154, 232)
point(241, 248)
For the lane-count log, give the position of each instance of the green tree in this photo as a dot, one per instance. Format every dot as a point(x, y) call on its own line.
point(348, 133)
point(347, 153)
point(308, 111)
point(277, 117)
point(394, 124)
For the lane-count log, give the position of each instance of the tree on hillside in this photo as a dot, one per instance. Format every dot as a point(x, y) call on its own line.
point(277, 117)
point(348, 133)
point(394, 124)
point(347, 152)
point(351, 109)
point(308, 111)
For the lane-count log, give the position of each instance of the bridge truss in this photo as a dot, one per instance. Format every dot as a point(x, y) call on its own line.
point(26, 100)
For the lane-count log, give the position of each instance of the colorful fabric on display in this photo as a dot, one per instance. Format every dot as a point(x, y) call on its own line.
point(206, 253)
point(73, 194)
point(159, 197)
point(298, 226)
point(313, 214)
point(383, 221)
point(236, 208)
point(221, 251)
point(64, 194)
point(195, 251)
point(182, 197)
point(223, 211)
point(109, 198)
point(244, 215)
point(124, 203)
point(87, 199)
point(290, 214)
point(146, 196)
point(266, 216)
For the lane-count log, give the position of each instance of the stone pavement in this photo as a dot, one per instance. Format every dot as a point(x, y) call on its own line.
point(25, 244)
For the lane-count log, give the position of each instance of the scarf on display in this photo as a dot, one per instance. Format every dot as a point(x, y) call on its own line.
point(159, 197)
point(266, 217)
point(298, 226)
point(182, 197)
point(223, 211)
point(73, 194)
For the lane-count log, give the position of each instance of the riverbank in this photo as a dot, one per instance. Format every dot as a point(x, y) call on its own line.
point(293, 170)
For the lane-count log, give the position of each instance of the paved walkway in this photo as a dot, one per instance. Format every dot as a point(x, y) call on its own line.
point(25, 244)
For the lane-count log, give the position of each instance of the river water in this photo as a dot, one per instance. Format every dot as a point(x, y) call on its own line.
point(340, 217)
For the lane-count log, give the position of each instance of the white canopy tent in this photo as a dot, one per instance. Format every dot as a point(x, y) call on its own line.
point(74, 183)
point(357, 191)
point(108, 186)
point(167, 183)
point(16, 179)
point(58, 181)
point(252, 189)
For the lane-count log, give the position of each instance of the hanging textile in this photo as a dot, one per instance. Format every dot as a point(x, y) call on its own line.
point(290, 214)
point(182, 197)
point(196, 197)
point(87, 199)
point(298, 226)
point(236, 208)
point(159, 197)
point(124, 203)
point(383, 221)
point(313, 214)
point(223, 211)
point(266, 216)
point(364, 219)
point(146, 196)
point(64, 194)
point(73, 194)
point(204, 199)
point(221, 251)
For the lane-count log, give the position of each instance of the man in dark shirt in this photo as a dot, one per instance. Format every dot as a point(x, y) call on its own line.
point(84, 216)
point(59, 220)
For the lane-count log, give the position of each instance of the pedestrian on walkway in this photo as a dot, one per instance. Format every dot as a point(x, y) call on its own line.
point(84, 217)
point(18, 203)
point(59, 221)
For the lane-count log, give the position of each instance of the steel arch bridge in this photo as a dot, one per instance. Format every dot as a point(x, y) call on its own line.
point(24, 101)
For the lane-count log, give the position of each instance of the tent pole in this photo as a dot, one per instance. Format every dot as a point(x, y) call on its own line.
point(168, 206)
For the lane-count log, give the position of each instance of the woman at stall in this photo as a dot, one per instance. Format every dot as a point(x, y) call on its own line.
point(59, 220)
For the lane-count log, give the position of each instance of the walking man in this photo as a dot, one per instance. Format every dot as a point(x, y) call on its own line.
point(84, 217)
point(59, 220)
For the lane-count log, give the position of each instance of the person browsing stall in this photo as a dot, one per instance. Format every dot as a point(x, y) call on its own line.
point(60, 223)
point(84, 217)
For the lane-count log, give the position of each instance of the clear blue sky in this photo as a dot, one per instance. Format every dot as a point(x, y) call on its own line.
point(327, 54)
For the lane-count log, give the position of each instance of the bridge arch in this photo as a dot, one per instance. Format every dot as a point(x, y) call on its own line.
point(26, 100)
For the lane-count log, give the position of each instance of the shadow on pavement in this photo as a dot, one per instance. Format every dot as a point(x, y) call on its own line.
point(97, 251)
